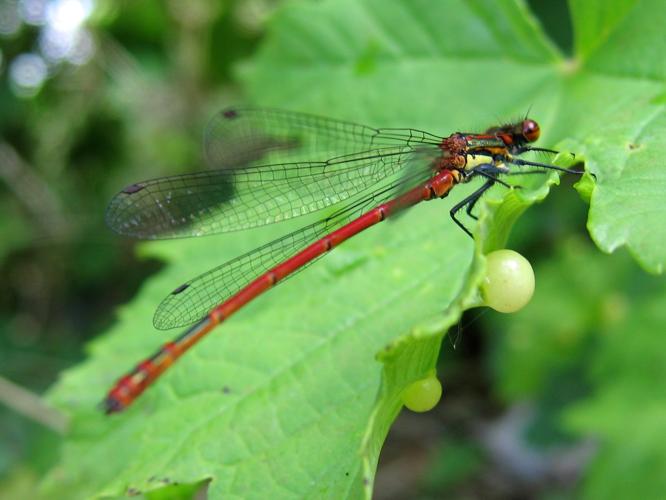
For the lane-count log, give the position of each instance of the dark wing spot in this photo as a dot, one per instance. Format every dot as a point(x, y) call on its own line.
point(134, 188)
point(230, 113)
point(180, 289)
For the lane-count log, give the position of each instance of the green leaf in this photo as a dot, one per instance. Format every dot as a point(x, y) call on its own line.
point(293, 375)
point(596, 20)
point(616, 97)
point(286, 399)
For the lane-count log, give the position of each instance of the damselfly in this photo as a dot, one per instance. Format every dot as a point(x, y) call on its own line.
point(269, 166)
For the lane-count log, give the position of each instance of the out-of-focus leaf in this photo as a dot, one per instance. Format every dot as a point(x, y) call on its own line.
point(627, 411)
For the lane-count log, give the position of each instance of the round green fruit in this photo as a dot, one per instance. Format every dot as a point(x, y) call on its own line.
point(423, 394)
point(509, 282)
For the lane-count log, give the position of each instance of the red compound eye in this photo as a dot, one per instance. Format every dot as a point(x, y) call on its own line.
point(531, 130)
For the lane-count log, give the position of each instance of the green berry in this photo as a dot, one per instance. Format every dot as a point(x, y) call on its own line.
point(509, 282)
point(423, 394)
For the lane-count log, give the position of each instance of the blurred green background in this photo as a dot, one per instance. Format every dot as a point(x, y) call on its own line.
point(95, 94)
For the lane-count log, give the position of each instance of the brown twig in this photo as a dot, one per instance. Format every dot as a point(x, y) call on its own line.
point(31, 406)
point(32, 192)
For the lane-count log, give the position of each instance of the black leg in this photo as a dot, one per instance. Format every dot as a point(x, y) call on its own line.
point(492, 174)
point(470, 207)
point(472, 202)
point(519, 162)
point(542, 150)
point(471, 199)
point(529, 172)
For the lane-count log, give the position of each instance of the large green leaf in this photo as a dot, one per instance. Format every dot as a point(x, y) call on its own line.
point(287, 399)
point(616, 97)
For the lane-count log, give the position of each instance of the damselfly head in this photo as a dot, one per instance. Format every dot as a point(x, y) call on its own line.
point(517, 134)
point(530, 130)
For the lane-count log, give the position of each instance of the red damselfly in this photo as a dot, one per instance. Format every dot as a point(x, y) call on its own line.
point(269, 166)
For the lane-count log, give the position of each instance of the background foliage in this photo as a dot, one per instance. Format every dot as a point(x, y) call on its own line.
point(540, 403)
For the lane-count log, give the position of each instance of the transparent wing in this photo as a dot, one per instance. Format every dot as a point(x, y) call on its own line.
point(262, 176)
point(194, 299)
point(240, 138)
